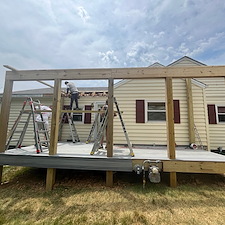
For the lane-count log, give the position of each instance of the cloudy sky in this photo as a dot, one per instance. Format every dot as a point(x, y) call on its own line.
point(53, 34)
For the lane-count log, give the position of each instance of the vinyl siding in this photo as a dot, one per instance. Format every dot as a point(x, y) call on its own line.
point(151, 133)
point(215, 94)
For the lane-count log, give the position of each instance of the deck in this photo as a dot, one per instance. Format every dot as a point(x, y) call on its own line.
point(77, 156)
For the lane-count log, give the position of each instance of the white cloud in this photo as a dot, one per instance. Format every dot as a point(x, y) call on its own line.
point(90, 34)
point(83, 14)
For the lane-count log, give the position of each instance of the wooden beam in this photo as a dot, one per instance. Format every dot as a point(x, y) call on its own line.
point(190, 111)
point(173, 179)
point(109, 138)
point(109, 178)
point(5, 111)
point(117, 73)
point(55, 118)
point(4, 118)
point(170, 119)
point(170, 127)
point(194, 166)
point(50, 178)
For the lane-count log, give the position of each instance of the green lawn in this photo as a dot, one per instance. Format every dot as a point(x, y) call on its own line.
point(81, 197)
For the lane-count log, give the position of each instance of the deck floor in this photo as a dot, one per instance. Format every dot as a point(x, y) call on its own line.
point(69, 149)
point(77, 156)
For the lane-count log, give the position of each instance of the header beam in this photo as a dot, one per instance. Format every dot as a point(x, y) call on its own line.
point(117, 73)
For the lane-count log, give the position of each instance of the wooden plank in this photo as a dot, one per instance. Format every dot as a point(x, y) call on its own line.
point(170, 119)
point(109, 178)
point(50, 179)
point(194, 167)
point(170, 127)
point(55, 118)
point(190, 111)
point(6, 101)
point(109, 138)
point(173, 179)
point(118, 73)
point(5, 111)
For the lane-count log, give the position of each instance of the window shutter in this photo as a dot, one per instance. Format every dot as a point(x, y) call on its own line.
point(140, 111)
point(212, 114)
point(87, 116)
point(176, 105)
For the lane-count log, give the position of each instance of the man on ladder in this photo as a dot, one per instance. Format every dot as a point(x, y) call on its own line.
point(42, 122)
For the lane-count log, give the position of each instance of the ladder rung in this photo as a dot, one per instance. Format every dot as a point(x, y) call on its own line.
point(40, 121)
point(18, 131)
point(42, 131)
point(44, 141)
point(22, 121)
point(14, 140)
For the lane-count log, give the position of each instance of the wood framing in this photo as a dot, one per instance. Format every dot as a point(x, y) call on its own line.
point(190, 111)
point(6, 101)
point(170, 127)
point(109, 138)
point(117, 73)
point(171, 165)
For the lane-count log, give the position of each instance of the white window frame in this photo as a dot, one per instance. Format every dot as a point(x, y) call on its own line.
point(217, 113)
point(82, 121)
point(146, 111)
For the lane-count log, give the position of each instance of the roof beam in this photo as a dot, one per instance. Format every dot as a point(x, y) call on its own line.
point(117, 73)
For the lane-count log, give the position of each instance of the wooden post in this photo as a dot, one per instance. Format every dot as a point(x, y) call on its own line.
point(4, 118)
point(50, 178)
point(170, 127)
point(109, 138)
point(190, 111)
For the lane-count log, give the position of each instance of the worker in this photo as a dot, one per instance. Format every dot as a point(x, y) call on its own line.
point(45, 115)
point(72, 91)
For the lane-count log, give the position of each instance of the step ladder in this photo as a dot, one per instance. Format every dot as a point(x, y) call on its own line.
point(21, 124)
point(102, 129)
point(197, 135)
point(65, 117)
point(94, 126)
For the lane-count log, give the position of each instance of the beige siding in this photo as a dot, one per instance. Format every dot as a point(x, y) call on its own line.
point(215, 94)
point(150, 133)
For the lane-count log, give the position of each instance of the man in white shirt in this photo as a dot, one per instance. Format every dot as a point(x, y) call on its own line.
point(74, 94)
point(45, 115)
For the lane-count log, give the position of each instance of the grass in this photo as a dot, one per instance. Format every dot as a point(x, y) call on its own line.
point(80, 197)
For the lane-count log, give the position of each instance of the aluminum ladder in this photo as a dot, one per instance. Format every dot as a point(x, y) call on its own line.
point(21, 124)
point(95, 125)
point(103, 125)
point(73, 131)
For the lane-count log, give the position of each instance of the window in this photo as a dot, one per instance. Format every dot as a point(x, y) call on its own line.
point(156, 111)
point(221, 114)
point(77, 117)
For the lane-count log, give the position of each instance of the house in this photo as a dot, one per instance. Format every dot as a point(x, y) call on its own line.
point(160, 104)
point(142, 102)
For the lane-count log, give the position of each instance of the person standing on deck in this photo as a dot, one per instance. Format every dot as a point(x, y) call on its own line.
point(74, 94)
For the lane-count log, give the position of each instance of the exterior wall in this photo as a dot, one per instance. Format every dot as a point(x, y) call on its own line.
point(151, 133)
point(215, 94)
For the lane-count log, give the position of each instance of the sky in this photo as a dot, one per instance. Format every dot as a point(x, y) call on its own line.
point(69, 34)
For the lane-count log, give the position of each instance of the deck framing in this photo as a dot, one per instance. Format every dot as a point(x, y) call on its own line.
point(110, 74)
